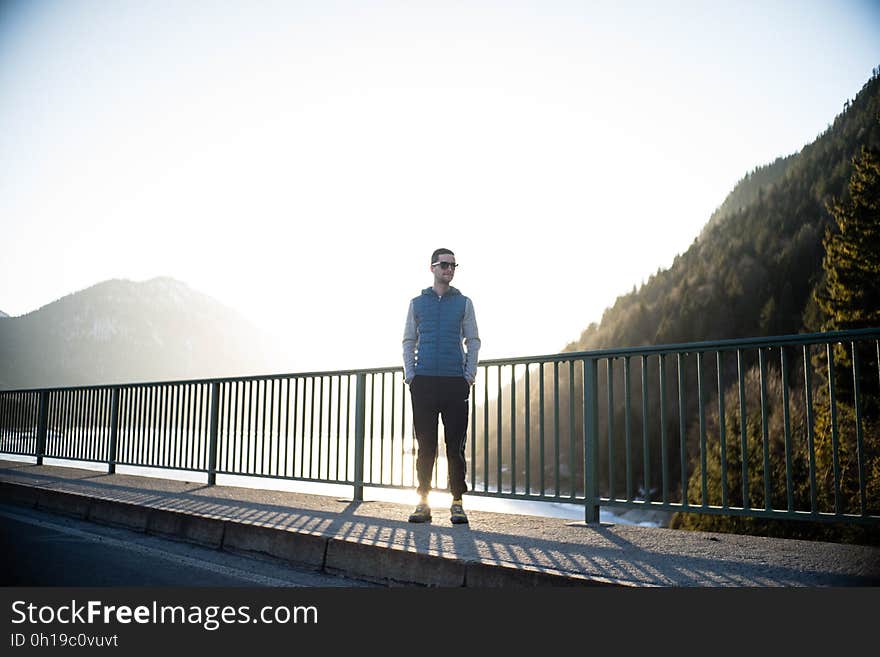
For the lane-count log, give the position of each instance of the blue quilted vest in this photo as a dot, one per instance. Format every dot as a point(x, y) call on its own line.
point(439, 351)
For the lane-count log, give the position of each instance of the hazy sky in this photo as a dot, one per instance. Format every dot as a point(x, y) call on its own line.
point(299, 161)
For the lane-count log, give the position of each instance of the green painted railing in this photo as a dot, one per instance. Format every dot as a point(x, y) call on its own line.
point(667, 427)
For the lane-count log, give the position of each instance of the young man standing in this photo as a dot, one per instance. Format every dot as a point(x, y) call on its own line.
point(440, 373)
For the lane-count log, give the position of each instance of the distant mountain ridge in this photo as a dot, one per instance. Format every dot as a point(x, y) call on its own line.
point(749, 189)
point(124, 331)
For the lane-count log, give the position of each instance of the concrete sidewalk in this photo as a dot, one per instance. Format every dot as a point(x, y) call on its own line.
point(372, 540)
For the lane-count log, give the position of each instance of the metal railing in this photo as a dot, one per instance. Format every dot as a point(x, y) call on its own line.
point(777, 427)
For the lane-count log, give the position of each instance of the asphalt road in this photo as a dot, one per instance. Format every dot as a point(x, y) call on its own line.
point(43, 549)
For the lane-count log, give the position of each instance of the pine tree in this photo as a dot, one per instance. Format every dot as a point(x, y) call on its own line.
point(851, 298)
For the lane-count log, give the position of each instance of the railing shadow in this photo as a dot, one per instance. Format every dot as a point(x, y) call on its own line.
point(604, 552)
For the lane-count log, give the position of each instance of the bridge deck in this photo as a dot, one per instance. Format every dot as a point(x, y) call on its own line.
point(372, 540)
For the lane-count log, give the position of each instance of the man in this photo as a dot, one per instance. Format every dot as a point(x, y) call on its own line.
point(440, 373)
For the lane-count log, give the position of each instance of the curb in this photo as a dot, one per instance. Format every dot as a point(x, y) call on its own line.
point(377, 562)
point(391, 564)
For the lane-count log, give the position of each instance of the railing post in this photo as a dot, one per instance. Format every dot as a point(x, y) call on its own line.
point(212, 440)
point(42, 426)
point(359, 437)
point(114, 430)
point(591, 441)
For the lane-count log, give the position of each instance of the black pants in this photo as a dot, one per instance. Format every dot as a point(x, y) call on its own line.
point(447, 397)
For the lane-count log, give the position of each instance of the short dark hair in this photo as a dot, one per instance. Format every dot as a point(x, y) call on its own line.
point(438, 253)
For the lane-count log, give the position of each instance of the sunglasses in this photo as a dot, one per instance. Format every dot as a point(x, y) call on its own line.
point(445, 265)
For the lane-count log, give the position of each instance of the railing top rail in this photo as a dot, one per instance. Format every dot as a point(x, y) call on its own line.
point(687, 347)
point(690, 347)
point(225, 379)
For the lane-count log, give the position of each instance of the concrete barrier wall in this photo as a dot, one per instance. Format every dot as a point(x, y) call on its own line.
point(376, 562)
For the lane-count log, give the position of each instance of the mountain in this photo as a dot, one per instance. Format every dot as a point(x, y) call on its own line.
point(3, 314)
point(753, 269)
point(124, 331)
